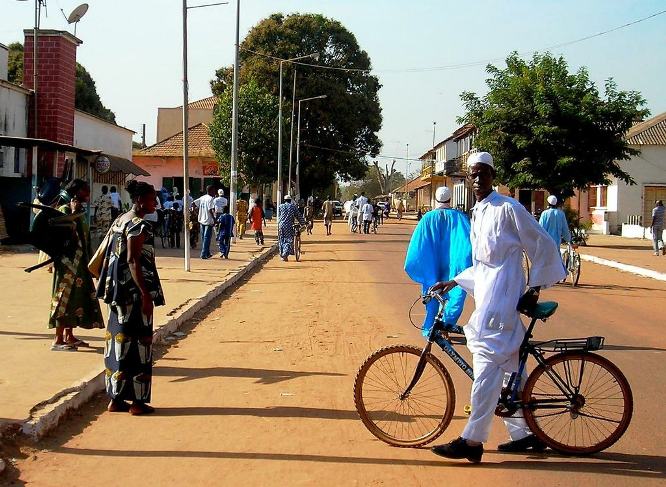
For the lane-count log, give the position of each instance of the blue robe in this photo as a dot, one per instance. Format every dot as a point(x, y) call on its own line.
point(438, 251)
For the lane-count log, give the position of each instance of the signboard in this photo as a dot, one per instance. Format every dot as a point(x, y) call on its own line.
point(210, 169)
point(102, 164)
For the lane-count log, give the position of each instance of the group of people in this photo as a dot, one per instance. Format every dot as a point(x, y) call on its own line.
point(483, 257)
point(362, 214)
point(128, 283)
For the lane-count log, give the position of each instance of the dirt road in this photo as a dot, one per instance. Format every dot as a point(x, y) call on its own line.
point(260, 391)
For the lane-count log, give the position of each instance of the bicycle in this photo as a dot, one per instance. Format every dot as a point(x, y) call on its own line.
point(571, 259)
point(576, 402)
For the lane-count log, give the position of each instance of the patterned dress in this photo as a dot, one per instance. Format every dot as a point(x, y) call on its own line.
point(103, 213)
point(129, 337)
point(288, 214)
point(73, 300)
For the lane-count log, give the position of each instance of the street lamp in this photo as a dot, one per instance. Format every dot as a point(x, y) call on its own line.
point(186, 157)
point(298, 144)
point(314, 56)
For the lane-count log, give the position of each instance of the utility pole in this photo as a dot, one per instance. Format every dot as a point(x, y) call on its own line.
point(186, 160)
point(234, 121)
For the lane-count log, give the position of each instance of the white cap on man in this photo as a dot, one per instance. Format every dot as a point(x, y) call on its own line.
point(480, 158)
point(443, 197)
point(552, 200)
point(287, 197)
point(220, 192)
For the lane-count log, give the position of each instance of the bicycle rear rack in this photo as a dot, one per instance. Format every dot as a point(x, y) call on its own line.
point(569, 344)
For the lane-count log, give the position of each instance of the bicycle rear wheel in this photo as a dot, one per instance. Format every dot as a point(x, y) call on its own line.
point(593, 418)
point(415, 420)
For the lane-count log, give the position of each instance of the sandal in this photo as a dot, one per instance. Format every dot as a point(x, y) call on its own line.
point(116, 406)
point(63, 347)
point(78, 343)
point(139, 408)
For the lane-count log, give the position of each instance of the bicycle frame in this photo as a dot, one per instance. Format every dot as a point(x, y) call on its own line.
point(509, 397)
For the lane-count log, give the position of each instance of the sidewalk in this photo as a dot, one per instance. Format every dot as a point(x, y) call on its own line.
point(32, 373)
point(633, 255)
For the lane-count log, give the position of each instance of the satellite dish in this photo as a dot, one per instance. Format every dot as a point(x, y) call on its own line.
point(77, 14)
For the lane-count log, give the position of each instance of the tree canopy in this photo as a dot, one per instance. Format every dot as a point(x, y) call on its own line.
point(86, 97)
point(548, 128)
point(257, 126)
point(337, 133)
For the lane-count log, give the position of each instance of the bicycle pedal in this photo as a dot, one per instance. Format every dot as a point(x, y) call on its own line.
point(467, 409)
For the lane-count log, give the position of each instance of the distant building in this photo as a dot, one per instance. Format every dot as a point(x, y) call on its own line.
point(620, 208)
point(170, 120)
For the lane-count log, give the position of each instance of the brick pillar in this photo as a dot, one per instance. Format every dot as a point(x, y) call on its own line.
point(56, 82)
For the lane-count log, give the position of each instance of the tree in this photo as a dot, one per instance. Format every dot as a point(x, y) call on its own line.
point(370, 183)
point(257, 126)
point(385, 176)
point(15, 63)
point(549, 129)
point(86, 97)
point(337, 133)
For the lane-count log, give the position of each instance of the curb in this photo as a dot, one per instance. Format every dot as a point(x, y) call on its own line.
point(624, 267)
point(45, 416)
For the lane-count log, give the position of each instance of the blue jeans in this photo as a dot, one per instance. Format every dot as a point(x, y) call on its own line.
point(206, 237)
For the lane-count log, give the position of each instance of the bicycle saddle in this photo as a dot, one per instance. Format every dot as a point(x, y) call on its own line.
point(543, 310)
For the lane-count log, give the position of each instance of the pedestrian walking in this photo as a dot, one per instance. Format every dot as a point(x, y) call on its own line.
point(309, 216)
point(175, 226)
point(116, 202)
point(501, 229)
point(241, 217)
point(219, 203)
point(352, 215)
point(225, 226)
point(206, 219)
point(258, 221)
point(657, 228)
point(288, 215)
point(400, 209)
point(130, 285)
point(366, 215)
point(102, 215)
point(328, 214)
point(439, 250)
point(73, 302)
point(554, 221)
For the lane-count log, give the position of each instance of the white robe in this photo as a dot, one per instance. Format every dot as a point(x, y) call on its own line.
point(500, 229)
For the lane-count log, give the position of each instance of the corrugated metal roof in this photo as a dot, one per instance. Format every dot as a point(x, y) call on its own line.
point(199, 144)
point(649, 132)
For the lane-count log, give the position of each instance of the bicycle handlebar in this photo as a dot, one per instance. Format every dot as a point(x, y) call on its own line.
point(426, 298)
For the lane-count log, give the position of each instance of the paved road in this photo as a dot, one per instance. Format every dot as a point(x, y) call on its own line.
point(260, 391)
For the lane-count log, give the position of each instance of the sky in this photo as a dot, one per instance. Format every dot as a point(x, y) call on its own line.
point(133, 49)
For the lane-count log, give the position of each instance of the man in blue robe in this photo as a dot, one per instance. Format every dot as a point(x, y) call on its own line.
point(439, 250)
point(554, 222)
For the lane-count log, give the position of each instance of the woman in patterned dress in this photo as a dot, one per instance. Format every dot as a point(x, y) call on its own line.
point(130, 285)
point(73, 302)
point(288, 213)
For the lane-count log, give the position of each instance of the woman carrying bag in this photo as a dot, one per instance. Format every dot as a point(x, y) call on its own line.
point(130, 285)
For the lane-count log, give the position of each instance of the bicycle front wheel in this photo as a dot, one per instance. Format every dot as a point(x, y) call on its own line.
point(411, 421)
point(297, 247)
point(579, 403)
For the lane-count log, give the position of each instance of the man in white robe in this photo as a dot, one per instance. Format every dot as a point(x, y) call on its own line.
point(501, 228)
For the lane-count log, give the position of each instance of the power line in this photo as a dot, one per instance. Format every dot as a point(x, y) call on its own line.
point(470, 63)
point(360, 153)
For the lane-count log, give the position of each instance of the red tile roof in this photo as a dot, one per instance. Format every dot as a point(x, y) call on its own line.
point(198, 141)
point(203, 104)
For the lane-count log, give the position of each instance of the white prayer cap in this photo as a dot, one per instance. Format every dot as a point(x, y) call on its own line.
point(287, 196)
point(552, 200)
point(480, 158)
point(443, 194)
point(220, 192)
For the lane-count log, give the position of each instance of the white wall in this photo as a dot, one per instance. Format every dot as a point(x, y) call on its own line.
point(4, 60)
point(647, 168)
point(13, 122)
point(94, 133)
